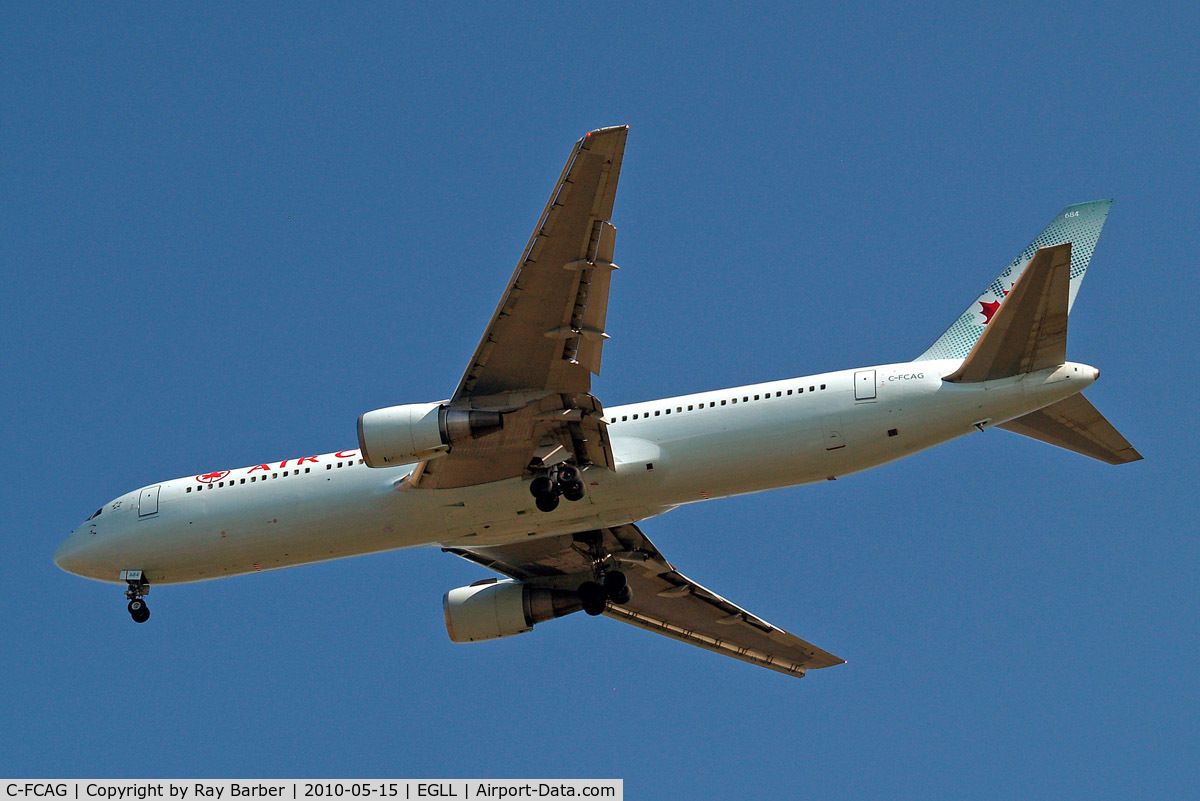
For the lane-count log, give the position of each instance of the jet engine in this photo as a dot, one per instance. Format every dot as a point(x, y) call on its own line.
point(416, 431)
point(492, 609)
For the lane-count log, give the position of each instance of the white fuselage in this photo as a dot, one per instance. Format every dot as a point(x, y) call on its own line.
point(668, 452)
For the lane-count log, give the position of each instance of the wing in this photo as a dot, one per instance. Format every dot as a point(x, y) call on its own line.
point(544, 341)
point(664, 600)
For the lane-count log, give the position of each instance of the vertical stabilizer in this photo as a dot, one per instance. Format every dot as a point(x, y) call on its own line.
point(1079, 225)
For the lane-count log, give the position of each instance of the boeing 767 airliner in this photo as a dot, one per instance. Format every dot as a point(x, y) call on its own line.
point(522, 471)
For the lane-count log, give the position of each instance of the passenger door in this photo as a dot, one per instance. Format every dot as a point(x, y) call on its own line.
point(148, 501)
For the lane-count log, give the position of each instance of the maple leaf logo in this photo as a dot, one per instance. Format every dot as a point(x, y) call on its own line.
point(989, 310)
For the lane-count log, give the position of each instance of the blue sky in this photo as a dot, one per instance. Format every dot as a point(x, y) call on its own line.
point(228, 231)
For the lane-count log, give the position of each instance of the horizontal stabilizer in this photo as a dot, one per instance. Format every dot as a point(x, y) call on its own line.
point(1028, 329)
point(1076, 425)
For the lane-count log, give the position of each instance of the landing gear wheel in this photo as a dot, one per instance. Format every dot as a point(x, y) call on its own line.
point(541, 487)
point(593, 596)
point(616, 587)
point(615, 581)
point(547, 503)
point(567, 475)
point(138, 610)
point(573, 491)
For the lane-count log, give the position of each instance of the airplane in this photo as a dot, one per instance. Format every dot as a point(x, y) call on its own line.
point(523, 471)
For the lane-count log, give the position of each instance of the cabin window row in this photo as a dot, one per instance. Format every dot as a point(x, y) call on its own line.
point(730, 401)
point(264, 476)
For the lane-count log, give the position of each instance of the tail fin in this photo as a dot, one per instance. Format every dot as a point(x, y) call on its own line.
point(1079, 225)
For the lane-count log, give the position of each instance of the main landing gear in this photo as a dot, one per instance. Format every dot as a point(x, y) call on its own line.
point(138, 587)
point(610, 584)
point(564, 480)
point(595, 595)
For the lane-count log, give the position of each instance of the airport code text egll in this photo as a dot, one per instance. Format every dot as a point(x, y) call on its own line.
point(222, 790)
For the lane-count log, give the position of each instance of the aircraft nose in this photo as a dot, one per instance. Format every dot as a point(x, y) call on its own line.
point(81, 555)
point(66, 556)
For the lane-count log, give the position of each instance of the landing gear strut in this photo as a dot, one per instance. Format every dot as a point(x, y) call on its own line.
point(138, 587)
point(563, 480)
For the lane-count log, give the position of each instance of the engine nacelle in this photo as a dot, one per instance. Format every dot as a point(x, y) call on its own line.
point(416, 431)
point(488, 611)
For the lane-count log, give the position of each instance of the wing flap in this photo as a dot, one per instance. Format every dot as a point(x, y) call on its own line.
point(589, 316)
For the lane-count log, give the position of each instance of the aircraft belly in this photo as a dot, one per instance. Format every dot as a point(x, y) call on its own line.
point(504, 511)
point(734, 452)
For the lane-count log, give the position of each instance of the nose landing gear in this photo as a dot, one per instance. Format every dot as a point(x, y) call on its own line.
point(138, 587)
point(138, 610)
point(563, 480)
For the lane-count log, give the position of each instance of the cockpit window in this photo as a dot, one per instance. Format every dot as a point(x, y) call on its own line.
point(96, 513)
